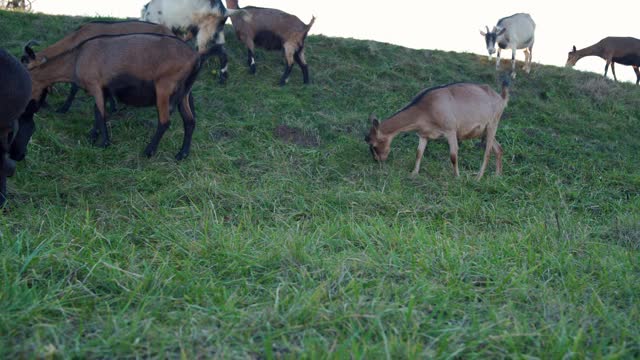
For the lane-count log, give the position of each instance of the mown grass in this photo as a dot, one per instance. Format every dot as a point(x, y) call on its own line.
point(255, 247)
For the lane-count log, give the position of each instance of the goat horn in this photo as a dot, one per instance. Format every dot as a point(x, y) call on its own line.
point(31, 42)
point(487, 29)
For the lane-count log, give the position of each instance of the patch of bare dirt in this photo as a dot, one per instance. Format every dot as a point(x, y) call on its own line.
point(295, 136)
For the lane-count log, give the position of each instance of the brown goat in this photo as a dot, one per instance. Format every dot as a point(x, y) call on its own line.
point(621, 50)
point(138, 69)
point(272, 29)
point(456, 112)
point(93, 29)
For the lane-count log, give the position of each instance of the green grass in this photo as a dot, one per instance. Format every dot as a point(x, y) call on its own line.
point(255, 247)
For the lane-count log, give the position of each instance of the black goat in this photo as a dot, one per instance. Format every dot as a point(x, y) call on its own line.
point(15, 92)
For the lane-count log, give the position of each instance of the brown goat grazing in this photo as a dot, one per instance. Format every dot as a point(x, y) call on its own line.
point(138, 69)
point(272, 29)
point(93, 29)
point(15, 92)
point(456, 111)
point(621, 50)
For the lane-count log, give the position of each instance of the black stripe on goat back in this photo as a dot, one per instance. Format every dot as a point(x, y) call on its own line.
point(268, 40)
point(425, 92)
point(78, 46)
point(103, 36)
point(115, 22)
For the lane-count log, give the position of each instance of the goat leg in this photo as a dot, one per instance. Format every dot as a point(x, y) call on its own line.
point(151, 149)
point(300, 60)
point(162, 103)
point(100, 125)
point(112, 103)
point(613, 70)
point(219, 51)
point(189, 121)
point(67, 104)
point(489, 139)
point(224, 65)
point(422, 144)
point(94, 133)
point(513, 63)
point(285, 76)
point(251, 61)
point(452, 139)
point(3, 190)
point(289, 51)
point(497, 149)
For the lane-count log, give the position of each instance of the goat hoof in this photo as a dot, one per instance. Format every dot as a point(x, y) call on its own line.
point(104, 144)
point(223, 77)
point(513, 75)
point(181, 155)
point(252, 69)
point(149, 152)
point(93, 136)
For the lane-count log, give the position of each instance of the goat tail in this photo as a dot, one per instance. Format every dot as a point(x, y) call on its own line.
point(506, 83)
point(313, 20)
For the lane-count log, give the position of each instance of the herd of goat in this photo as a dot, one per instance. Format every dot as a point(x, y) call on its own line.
point(103, 58)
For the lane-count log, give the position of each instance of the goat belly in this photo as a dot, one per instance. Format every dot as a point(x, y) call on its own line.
point(629, 59)
point(268, 40)
point(133, 91)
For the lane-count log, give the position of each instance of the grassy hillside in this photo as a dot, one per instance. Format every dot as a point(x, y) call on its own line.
point(279, 237)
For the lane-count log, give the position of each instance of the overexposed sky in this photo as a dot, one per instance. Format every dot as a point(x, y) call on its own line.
point(445, 25)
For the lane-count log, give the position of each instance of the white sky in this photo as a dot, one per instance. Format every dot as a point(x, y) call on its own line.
point(450, 25)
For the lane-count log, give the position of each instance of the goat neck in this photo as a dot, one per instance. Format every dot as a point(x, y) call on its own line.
point(403, 121)
point(57, 69)
point(593, 50)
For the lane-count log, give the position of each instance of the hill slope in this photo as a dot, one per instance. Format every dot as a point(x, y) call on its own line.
point(280, 237)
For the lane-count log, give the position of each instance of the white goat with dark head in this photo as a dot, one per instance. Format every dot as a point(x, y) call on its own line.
point(205, 18)
point(514, 32)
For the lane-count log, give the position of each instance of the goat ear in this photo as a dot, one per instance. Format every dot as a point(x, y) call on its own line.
point(374, 120)
point(574, 48)
point(483, 33)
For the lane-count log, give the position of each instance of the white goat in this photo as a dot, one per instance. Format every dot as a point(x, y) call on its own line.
point(205, 16)
point(514, 32)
